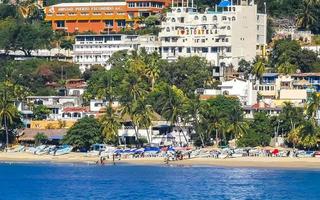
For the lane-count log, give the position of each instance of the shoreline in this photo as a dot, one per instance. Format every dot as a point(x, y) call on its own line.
point(243, 162)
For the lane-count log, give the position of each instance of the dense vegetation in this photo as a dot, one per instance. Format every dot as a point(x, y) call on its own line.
point(286, 57)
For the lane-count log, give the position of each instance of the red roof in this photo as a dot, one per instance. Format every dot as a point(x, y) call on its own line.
point(260, 105)
point(76, 109)
point(76, 83)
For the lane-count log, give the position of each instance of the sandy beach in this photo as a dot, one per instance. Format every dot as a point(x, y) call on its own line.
point(260, 162)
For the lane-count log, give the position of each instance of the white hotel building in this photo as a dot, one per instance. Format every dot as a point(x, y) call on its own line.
point(91, 50)
point(223, 35)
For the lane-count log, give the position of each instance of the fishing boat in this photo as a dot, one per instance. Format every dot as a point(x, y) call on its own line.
point(317, 154)
point(17, 148)
point(305, 154)
point(96, 149)
point(36, 150)
point(61, 150)
point(46, 150)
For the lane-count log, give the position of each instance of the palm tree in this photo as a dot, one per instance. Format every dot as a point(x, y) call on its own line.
point(133, 86)
point(287, 68)
point(142, 116)
point(110, 123)
point(294, 136)
point(171, 101)
point(237, 126)
point(259, 68)
point(307, 17)
point(213, 117)
point(313, 106)
point(192, 115)
point(153, 70)
point(7, 113)
point(30, 10)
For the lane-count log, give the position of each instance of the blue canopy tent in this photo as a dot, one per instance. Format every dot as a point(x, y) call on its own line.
point(224, 3)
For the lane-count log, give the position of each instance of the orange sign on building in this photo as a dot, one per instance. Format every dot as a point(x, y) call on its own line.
point(101, 16)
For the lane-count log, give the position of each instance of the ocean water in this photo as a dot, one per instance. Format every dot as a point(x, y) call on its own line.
point(67, 181)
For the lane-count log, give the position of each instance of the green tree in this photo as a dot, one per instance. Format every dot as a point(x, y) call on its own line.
point(217, 113)
point(142, 116)
point(286, 68)
point(40, 138)
point(238, 126)
point(187, 74)
point(110, 123)
point(245, 67)
point(313, 106)
point(7, 113)
point(152, 68)
point(170, 102)
point(306, 16)
point(294, 136)
point(84, 133)
point(262, 126)
point(259, 68)
point(41, 112)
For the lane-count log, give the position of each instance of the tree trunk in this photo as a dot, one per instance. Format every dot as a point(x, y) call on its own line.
point(217, 142)
point(200, 134)
point(149, 139)
point(136, 130)
point(184, 135)
point(7, 133)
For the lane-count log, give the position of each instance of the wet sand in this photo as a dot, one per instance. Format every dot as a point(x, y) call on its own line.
point(259, 162)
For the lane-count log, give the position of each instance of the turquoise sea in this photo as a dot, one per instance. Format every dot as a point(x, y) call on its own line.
point(67, 181)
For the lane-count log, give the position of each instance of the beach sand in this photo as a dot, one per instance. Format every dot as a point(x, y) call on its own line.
point(260, 162)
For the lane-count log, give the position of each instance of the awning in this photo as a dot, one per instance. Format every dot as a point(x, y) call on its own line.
point(29, 134)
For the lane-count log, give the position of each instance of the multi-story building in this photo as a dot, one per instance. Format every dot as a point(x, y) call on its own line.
point(101, 16)
point(223, 36)
point(90, 50)
point(275, 89)
point(243, 89)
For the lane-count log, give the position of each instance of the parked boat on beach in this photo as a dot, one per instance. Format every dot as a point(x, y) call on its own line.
point(61, 150)
point(17, 148)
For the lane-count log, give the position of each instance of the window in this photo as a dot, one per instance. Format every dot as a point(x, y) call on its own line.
point(215, 18)
point(109, 23)
point(60, 24)
point(173, 20)
point(131, 4)
point(97, 13)
point(233, 18)
point(188, 50)
point(204, 49)
point(196, 17)
point(109, 13)
point(60, 14)
point(72, 14)
point(214, 49)
point(121, 23)
point(224, 18)
point(180, 49)
point(204, 18)
point(228, 27)
point(84, 13)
